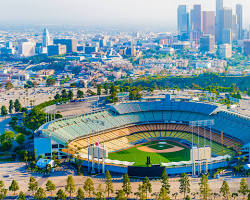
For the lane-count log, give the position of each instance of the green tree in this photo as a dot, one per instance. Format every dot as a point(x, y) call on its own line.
point(60, 195)
point(33, 185)
point(57, 96)
point(82, 84)
point(205, 191)
point(14, 187)
point(20, 138)
point(11, 106)
point(225, 190)
point(121, 195)
point(89, 186)
point(64, 94)
point(70, 186)
point(141, 192)
point(4, 111)
point(70, 95)
point(99, 89)
point(50, 187)
point(50, 82)
point(3, 191)
point(108, 182)
point(248, 92)
point(106, 88)
point(99, 195)
point(80, 194)
point(25, 157)
point(163, 195)
point(243, 187)
point(6, 145)
point(79, 94)
point(40, 194)
point(54, 155)
point(73, 85)
point(184, 185)
point(78, 162)
point(165, 181)
point(134, 94)
point(21, 196)
point(17, 106)
point(29, 84)
point(126, 185)
point(147, 186)
point(90, 92)
point(9, 85)
point(8, 135)
point(188, 197)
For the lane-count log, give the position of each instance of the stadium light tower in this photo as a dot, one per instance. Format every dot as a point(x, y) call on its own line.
point(198, 154)
point(96, 152)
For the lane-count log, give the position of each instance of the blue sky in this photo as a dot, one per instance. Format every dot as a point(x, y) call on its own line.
point(101, 11)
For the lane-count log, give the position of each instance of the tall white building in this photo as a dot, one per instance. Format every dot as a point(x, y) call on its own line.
point(46, 38)
point(26, 49)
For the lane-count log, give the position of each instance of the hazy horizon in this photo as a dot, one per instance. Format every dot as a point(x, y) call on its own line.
point(103, 12)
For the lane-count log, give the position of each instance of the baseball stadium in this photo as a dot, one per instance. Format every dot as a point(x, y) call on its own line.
point(147, 134)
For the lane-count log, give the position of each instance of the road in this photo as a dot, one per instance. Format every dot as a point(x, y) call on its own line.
point(4, 124)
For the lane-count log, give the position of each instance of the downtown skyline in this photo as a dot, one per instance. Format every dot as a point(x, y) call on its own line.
point(160, 13)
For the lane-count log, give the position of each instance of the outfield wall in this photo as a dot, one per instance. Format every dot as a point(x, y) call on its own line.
point(170, 171)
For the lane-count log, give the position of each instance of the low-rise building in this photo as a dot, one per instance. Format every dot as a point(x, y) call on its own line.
point(43, 163)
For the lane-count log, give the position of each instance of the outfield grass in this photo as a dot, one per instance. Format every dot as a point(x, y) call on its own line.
point(139, 157)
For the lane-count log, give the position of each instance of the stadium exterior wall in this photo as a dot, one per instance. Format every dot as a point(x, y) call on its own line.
point(170, 171)
point(188, 169)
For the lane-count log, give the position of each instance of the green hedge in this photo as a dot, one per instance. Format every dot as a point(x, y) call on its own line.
point(37, 116)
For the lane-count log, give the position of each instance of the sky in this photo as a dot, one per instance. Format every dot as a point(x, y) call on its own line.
point(103, 12)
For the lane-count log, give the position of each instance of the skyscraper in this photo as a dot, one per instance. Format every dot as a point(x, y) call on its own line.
point(183, 21)
point(239, 21)
point(219, 7)
point(46, 38)
point(196, 23)
point(227, 36)
point(234, 28)
point(225, 26)
point(208, 25)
